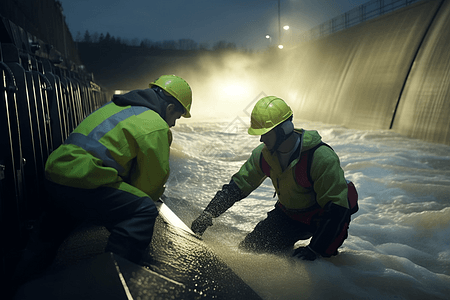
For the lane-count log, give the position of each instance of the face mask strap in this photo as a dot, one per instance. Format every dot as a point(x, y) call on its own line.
point(282, 132)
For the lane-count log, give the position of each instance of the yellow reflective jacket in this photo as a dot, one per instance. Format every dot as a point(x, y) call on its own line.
point(126, 140)
point(326, 173)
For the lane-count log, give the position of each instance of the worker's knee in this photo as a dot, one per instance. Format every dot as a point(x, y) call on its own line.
point(147, 208)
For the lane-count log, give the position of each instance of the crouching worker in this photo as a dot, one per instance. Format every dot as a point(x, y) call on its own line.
point(114, 165)
point(314, 199)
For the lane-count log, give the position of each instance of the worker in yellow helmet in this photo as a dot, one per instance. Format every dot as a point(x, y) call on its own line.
point(314, 199)
point(113, 166)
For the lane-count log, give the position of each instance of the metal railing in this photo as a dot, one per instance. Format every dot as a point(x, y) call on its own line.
point(362, 13)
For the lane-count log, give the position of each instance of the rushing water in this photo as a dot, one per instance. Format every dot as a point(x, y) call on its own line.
point(399, 240)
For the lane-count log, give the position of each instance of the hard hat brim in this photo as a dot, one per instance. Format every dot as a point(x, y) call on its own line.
point(187, 114)
point(259, 131)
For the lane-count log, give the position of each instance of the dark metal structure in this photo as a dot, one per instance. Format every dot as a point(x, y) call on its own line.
point(43, 97)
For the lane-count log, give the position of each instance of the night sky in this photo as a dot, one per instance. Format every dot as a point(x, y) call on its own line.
point(243, 22)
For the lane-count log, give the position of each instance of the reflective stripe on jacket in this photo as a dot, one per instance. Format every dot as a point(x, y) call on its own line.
point(326, 173)
point(112, 145)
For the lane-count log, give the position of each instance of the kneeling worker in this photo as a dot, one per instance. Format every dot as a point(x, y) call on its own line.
point(115, 163)
point(314, 199)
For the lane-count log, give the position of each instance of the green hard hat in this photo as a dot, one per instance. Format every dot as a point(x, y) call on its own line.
point(178, 88)
point(268, 112)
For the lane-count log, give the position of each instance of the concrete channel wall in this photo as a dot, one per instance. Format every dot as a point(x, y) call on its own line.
point(424, 108)
point(388, 73)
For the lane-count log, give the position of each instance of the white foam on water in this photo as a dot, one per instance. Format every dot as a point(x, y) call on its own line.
point(399, 240)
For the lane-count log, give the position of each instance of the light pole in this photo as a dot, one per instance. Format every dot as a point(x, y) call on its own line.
point(279, 26)
point(280, 46)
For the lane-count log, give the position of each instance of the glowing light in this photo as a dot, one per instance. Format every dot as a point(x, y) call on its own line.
point(267, 36)
point(223, 88)
point(286, 27)
point(172, 218)
point(280, 46)
point(120, 92)
point(233, 89)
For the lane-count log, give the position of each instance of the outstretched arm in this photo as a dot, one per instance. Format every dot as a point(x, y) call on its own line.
point(249, 177)
point(223, 200)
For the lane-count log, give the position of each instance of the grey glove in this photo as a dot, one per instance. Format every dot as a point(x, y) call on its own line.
point(305, 253)
point(200, 224)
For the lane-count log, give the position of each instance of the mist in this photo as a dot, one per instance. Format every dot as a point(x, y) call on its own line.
point(227, 85)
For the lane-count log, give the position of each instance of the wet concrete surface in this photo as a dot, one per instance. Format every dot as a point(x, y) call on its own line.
point(178, 266)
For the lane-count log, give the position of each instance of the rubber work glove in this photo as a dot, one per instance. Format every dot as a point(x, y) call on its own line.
point(200, 224)
point(305, 253)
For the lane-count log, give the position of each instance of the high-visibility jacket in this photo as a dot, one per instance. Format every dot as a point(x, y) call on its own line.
point(124, 144)
point(326, 201)
point(328, 177)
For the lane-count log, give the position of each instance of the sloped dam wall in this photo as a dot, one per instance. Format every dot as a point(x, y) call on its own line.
point(388, 73)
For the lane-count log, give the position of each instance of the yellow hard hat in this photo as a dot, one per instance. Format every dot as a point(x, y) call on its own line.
point(178, 88)
point(268, 112)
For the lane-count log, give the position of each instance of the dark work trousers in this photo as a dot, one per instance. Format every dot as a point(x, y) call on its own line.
point(278, 233)
point(130, 219)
